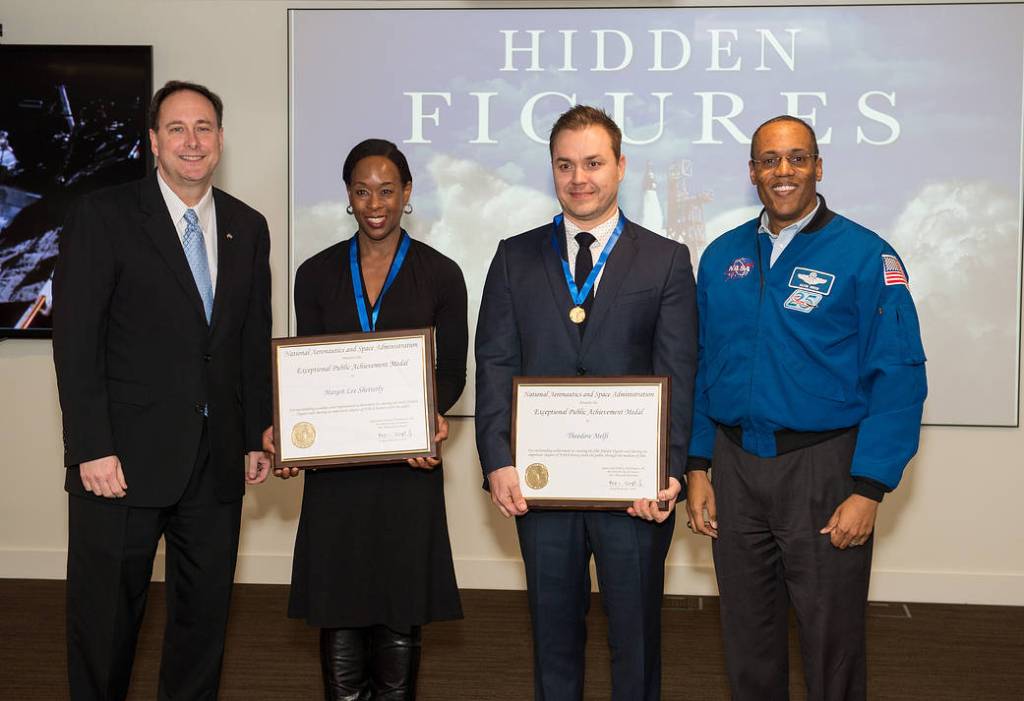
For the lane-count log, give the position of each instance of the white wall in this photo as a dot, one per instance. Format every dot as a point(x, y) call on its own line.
point(951, 533)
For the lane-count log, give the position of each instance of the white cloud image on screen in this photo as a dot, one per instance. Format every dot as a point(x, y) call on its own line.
point(958, 240)
point(468, 99)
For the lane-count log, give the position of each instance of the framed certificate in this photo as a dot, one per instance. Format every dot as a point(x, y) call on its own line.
point(354, 399)
point(590, 442)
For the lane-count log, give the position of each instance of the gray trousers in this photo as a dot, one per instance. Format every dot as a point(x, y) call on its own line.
point(769, 555)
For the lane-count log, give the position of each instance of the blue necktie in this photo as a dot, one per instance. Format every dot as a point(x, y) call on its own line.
point(195, 252)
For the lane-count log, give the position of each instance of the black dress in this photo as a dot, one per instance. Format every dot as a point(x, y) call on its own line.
point(372, 545)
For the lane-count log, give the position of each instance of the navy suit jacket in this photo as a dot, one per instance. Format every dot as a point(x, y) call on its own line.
point(135, 359)
point(643, 322)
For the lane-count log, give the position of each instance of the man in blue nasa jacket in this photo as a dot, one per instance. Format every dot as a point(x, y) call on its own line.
point(808, 399)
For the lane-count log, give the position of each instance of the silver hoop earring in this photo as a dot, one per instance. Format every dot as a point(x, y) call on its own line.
point(408, 208)
point(349, 209)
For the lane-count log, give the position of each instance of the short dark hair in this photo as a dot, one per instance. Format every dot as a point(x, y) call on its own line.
point(376, 147)
point(173, 86)
point(784, 118)
point(581, 117)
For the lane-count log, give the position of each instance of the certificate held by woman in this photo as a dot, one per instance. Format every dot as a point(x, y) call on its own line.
point(354, 399)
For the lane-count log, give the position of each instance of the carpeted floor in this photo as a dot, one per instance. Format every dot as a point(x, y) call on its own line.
point(926, 652)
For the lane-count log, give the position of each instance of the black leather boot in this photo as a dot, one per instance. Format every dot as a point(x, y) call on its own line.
point(343, 658)
point(394, 662)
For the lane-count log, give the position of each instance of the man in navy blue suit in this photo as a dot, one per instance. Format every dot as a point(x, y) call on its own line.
point(638, 319)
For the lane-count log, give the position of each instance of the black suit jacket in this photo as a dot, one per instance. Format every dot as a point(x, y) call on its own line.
point(136, 360)
point(643, 322)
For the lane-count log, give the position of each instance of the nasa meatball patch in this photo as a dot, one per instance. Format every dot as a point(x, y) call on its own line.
point(739, 269)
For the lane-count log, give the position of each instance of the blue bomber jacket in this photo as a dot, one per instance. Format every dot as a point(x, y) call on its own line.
point(826, 338)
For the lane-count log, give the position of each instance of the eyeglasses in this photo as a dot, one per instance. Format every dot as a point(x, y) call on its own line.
point(797, 160)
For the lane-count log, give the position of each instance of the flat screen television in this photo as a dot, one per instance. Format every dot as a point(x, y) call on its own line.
point(72, 119)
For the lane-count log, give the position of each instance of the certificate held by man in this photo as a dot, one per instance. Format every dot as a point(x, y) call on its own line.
point(354, 399)
point(590, 443)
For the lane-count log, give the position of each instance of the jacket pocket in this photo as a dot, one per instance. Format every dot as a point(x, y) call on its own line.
point(812, 379)
point(634, 297)
point(715, 367)
point(122, 392)
point(911, 348)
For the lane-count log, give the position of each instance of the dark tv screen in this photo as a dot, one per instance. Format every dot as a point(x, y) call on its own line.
point(72, 120)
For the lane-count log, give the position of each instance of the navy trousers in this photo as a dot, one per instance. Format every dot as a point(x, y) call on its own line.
point(629, 554)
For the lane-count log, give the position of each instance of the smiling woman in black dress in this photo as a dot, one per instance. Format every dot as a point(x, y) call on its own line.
point(372, 558)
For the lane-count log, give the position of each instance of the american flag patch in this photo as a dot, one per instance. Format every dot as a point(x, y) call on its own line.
point(892, 271)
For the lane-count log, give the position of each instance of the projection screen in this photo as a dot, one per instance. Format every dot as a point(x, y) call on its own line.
point(918, 109)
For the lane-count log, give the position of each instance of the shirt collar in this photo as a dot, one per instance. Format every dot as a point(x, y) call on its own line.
point(602, 232)
point(177, 207)
point(794, 228)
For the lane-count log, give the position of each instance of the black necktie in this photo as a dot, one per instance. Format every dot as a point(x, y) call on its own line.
point(584, 264)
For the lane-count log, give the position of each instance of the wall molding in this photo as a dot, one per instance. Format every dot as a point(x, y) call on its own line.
point(917, 586)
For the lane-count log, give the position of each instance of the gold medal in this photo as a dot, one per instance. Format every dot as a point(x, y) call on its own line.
point(577, 315)
point(536, 476)
point(303, 434)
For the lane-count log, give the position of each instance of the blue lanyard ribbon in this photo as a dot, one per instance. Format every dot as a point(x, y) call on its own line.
point(579, 295)
point(368, 320)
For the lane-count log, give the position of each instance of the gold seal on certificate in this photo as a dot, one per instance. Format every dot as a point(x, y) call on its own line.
point(577, 315)
point(354, 399)
point(536, 476)
point(303, 434)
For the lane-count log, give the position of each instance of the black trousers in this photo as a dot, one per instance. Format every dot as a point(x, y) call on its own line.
point(629, 554)
point(769, 555)
point(110, 563)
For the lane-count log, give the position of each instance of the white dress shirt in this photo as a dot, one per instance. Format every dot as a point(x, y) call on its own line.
point(601, 233)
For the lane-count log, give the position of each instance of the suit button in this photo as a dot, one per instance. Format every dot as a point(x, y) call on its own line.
point(207, 358)
point(580, 370)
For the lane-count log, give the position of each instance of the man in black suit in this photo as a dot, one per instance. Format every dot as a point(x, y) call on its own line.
point(640, 320)
point(161, 344)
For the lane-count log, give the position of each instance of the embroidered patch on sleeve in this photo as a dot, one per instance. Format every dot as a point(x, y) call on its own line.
point(892, 271)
